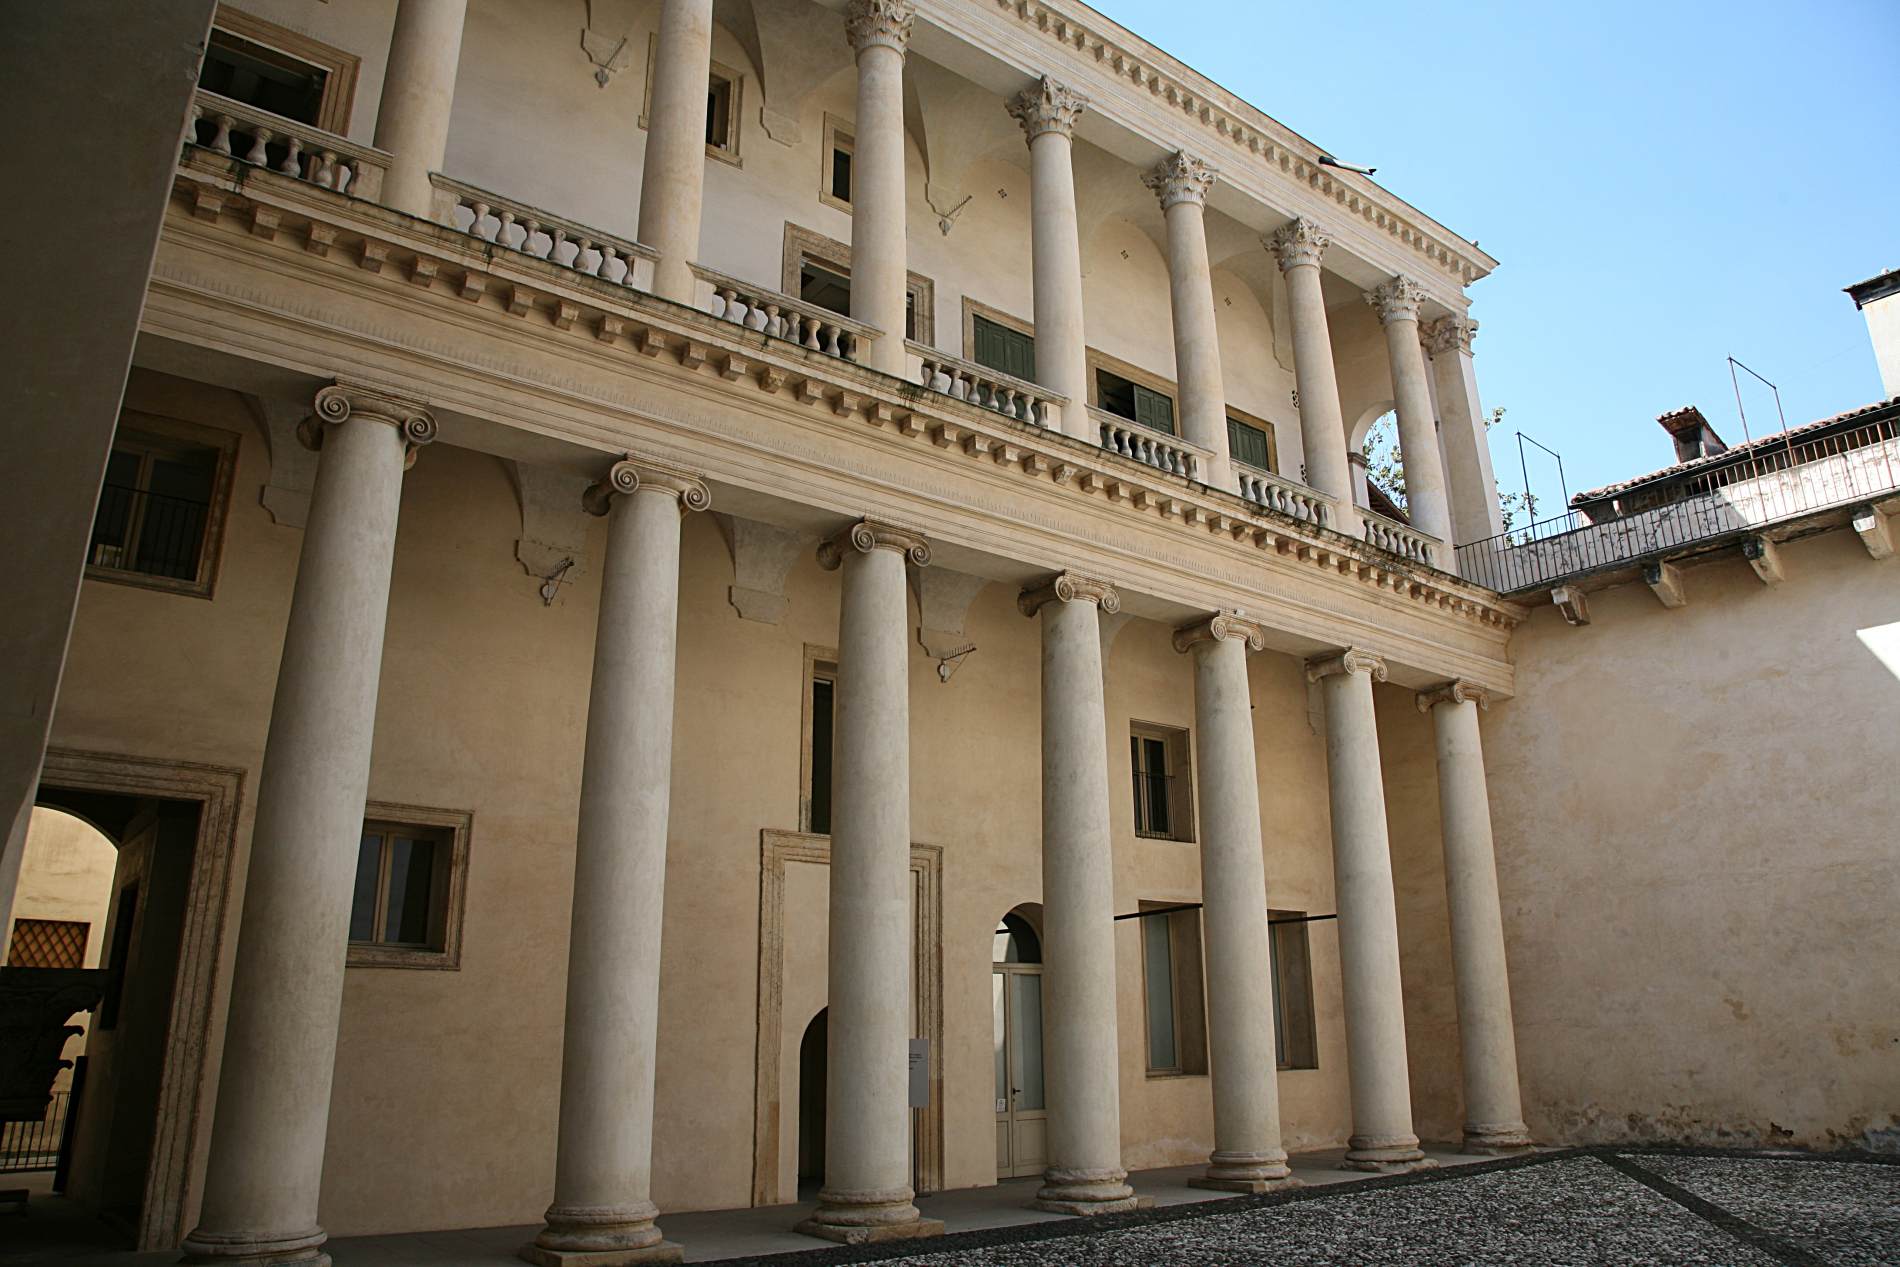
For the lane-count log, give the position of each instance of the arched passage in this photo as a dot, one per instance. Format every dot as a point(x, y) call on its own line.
point(813, 1069)
point(1016, 1001)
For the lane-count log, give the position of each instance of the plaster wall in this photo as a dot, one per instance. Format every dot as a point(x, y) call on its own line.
point(1883, 327)
point(1693, 811)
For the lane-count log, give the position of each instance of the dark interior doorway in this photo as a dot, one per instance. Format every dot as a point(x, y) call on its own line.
point(813, 1064)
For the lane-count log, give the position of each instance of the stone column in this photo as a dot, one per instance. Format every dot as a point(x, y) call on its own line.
point(260, 1194)
point(1475, 513)
point(603, 1211)
point(1382, 1136)
point(673, 177)
point(412, 122)
point(1048, 112)
point(1181, 183)
point(1298, 247)
point(1248, 1156)
point(1081, 1059)
point(1361, 490)
point(1494, 1111)
point(1397, 304)
point(879, 32)
point(867, 1193)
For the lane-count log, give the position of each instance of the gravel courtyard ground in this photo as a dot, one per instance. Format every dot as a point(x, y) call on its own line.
point(1579, 1207)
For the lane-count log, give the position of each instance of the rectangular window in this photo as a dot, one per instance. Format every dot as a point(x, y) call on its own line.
point(818, 271)
point(821, 692)
point(1127, 399)
point(1003, 348)
point(1172, 991)
point(161, 507)
point(839, 149)
point(1295, 1044)
point(405, 910)
point(721, 134)
point(1158, 757)
point(48, 943)
point(1248, 443)
point(275, 69)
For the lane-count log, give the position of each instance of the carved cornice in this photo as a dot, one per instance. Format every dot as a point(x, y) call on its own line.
point(1455, 692)
point(879, 23)
point(1351, 660)
point(867, 535)
point(1396, 300)
point(1449, 334)
point(1180, 178)
point(633, 474)
point(1047, 106)
point(1222, 624)
point(1069, 587)
point(1299, 241)
point(345, 399)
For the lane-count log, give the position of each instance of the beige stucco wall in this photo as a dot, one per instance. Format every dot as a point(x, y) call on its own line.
point(1694, 814)
point(65, 874)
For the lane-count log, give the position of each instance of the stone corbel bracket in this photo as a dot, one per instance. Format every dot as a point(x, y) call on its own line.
point(762, 557)
point(943, 605)
point(553, 524)
point(293, 468)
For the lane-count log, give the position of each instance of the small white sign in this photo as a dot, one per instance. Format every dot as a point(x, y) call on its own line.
point(920, 1073)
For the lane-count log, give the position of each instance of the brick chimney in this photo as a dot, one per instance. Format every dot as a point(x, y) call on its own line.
point(1693, 435)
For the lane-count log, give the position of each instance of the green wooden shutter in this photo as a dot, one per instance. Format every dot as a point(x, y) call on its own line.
point(1004, 350)
point(1247, 444)
point(1152, 409)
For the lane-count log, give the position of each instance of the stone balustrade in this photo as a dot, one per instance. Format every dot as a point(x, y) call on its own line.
point(537, 233)
point(1154, 448)
point(986, 388)
point(781, 316)
point(1288, 497)
point(1396, 538)
point(263, 139)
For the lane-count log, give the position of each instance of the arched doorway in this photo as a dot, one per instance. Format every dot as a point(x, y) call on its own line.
point(1016, 997)
point(813, 1057)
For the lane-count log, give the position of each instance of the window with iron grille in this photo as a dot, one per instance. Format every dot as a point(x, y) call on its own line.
point(161, 507)
point(48, 943)
point(1164, 798)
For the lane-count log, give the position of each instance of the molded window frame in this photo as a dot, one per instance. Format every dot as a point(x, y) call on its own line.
point(340, 68)
point(1177, 744)
point(1187, 1000)
point(735, 102)
point(224, 446)
point(821, 665)
point(448, 899)
point(840, 134)
point(802, 244)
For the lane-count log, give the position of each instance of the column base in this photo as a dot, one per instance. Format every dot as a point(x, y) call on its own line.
point(1246, 1172)
point(301, 1249)
point(600, 1236)
point(659, 1252)
point(866, 1218)
point(1385, 1154)
point(1087, 1192)
point(1497, 1140)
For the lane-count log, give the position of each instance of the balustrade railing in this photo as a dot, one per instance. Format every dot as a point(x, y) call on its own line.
point(518, 226)
point(1155, 448)
point(780, 316)
point(1396, 538)
point(258, 137)
point(986, 388)
point(1289, 497)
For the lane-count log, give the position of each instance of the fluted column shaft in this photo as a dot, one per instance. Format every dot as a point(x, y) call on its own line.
point(1299, 247)
point(1247, 1156)
point(603, 1211)
point(1382, 1136)
point(412, 121)
point(1494, 1111)
point(867, 1193)
point(1048, 113)
point(879, 30)
point(1182, 183)
point(1081, 1059)
point(673, 177)
point(1426, 504)
point(266, 1166)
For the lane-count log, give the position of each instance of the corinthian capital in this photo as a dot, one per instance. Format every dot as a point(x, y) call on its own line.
point(1455, 692)
point(867, 535)
point(1450, 334)
point(345, 399)
point(1397, 300)
point(1351, 660)
point(1299, 241)
point(1069, 587)
point(869, 23)
point(1179, 178)
point(1222, 624)
point(634, 474)
point(1047, 107)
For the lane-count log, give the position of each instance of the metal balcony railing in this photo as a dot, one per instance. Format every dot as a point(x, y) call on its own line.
point(1771, 485)
point(148, 533)
point(30, 1146)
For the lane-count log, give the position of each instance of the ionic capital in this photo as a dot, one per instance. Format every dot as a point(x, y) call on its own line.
point(1047, 107)
point(879, 23)
point(1222, 624)
point(1448, 334)
point(345, 399)
point(1181, 178)
point(1458, 691)
point(1069, 587)
point(1396, 300)
point(867, 535)
point(1299, 241)
point(633, 474)
point(1351, 660)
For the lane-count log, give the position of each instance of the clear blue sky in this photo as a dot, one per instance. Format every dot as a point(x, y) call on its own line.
point(1665, 184)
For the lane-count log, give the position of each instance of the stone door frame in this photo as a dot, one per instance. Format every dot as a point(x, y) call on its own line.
point(184, 1094)
point(776, 849)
